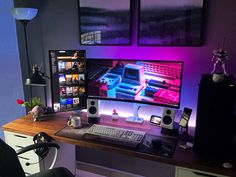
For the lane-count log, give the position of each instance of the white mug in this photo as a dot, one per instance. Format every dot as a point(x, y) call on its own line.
point(74, 122)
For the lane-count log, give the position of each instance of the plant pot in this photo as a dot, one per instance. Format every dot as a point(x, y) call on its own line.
point(218, 77)
point(36, 112)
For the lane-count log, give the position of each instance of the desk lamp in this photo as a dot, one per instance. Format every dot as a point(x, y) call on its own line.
point(24, 15)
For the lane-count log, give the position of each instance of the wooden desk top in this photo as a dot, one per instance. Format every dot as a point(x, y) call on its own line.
point(54, 123)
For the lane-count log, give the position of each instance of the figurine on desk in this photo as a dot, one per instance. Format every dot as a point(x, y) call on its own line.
point(114, 115)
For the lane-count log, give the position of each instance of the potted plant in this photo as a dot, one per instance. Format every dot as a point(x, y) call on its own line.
point(34, 105)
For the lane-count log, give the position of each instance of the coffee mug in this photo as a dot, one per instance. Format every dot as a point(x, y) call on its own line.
point(74, 122)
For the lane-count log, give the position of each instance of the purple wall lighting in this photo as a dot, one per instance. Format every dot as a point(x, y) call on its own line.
point(194, 65)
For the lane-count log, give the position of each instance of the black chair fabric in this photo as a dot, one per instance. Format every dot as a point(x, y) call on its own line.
point(55, 172)
point(11, 167)
point(9, 162)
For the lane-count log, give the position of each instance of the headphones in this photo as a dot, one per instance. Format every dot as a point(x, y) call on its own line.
point(42, 137)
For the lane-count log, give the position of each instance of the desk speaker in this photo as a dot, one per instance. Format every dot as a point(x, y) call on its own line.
point(168, 117)
point(93, 110)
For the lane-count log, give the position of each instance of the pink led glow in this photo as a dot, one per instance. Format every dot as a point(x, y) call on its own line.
point(196, 62)
point(191, 73)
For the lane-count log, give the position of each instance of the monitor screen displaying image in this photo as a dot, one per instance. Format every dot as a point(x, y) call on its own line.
point(143, 81)
point(68, 79)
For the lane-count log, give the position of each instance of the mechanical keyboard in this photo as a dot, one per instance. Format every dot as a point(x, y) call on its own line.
point(114, 135)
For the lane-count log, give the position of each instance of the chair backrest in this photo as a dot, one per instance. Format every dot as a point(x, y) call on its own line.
point(9, 162)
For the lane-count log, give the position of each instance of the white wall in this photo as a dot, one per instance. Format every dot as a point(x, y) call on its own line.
point(10, 73)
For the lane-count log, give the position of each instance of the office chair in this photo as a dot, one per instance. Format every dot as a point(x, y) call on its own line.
point(10, 165)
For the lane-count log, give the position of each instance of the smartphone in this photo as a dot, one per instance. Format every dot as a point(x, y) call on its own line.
point(185, 117)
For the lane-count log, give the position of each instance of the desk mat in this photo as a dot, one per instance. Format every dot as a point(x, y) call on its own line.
point(165, 149)
point(74, 133)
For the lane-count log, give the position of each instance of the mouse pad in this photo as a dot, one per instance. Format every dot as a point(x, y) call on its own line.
point(165, 148)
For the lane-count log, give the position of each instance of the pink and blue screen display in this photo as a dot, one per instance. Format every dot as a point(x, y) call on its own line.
point(145, 81)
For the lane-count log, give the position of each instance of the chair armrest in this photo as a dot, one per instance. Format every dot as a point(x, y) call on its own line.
point(37, 145)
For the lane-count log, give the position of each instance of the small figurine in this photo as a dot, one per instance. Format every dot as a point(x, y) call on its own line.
point(38, 76)
point(219, 58)
point(114, 115)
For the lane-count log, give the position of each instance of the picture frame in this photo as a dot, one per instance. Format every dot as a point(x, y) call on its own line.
point(103, 22)
point(170, 23)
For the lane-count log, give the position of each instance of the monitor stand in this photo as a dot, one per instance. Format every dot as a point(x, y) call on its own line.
point(135, 118)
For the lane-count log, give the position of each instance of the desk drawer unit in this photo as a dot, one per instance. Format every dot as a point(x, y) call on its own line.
point(18, 141)
point(186, 172)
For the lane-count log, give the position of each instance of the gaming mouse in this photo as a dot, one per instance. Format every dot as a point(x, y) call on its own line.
point(156, 144)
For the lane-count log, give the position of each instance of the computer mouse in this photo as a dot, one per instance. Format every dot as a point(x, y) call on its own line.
point(156, 144)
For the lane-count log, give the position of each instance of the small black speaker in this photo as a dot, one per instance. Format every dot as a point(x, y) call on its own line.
point(93, 110)
point(214, 132)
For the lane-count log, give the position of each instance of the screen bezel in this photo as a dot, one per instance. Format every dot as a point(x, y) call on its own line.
point(137, 101)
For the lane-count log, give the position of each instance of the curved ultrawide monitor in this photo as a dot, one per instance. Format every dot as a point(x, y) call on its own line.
point(142, 81)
